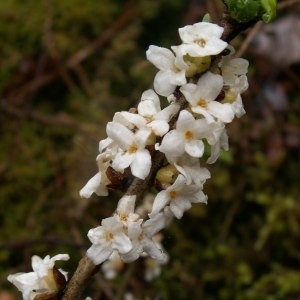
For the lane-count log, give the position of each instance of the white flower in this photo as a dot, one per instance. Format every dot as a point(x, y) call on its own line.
point(150, 109)
point(202, 98)
point(125, 209)
point(234, 73)
point(201, 39)
point(130, 120)
point(150, 228)
point(106, 238)
point(41, 279)
point(238, 106)
point(179, 197)
point(185, 138)
point(170, 75)
point(133, 152)
point(98, 183)
point(216, 136)
point(133, 223)
point(135, 233)
point(144, 243)
point(190, 168)
point(220, 143)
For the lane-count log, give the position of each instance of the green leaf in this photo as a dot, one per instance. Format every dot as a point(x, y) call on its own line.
point(270, 10)
point(250, 10)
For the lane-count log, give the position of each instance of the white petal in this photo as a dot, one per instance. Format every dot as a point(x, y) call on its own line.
point(103, 144)
point(133, 254)
point(179, 207)
point(93, 186)
point(120, 134)
point(163, 83)
point(20, 280)
point(122, 161)
point(60, 257)
point(162, 58)
point(190, 33)
point(185, 119)
point(209, 86)
point(126, 204)
point(153, 251)
point(149, 104)
point(155, 224)
point(167, 113)
point(160, 201)
point(122, 243)
point(172, 144)
point(222, 112)
point(159, 127)
point(238, 107)
point(199, 197)
point(97, 235)
point(202, 111)
point(141, 164)
point(194, 148)
point(129, 120)
point(98, 254)
point(141, 137)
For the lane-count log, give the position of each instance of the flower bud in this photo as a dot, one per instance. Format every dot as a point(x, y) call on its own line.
point(196, 65)
point(166, 176)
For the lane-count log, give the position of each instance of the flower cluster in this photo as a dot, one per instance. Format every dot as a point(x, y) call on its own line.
point(163, 146)
point(202, 71)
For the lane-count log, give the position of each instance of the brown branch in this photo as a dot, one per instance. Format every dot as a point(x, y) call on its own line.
point(84, 272)
point(232, 27)
point(249, 39)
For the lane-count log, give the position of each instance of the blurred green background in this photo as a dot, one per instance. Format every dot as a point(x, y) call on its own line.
point(65, 67)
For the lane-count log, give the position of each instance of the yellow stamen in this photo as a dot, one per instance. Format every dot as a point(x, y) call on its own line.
point(172, 194)
point(189, 135)
point(133, 148)
point(202, 103)
point(201, 42)
point(109, 236)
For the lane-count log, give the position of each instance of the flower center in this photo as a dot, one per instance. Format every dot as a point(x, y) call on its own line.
point(201, 42)
point(133, 148)
point(202, 103)
point(176, 69)
point(189, 135)
point(123, 218)
point(109, 236)
point(172, 194)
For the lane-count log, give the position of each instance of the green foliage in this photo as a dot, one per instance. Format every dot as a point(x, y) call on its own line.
point(251, 10)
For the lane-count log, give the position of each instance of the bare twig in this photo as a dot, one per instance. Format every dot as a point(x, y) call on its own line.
point(84, 272)
point(249, 39)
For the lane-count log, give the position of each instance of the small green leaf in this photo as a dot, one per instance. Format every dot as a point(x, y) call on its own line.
point(207, 18)
point(250, 10)
point(270, 10)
